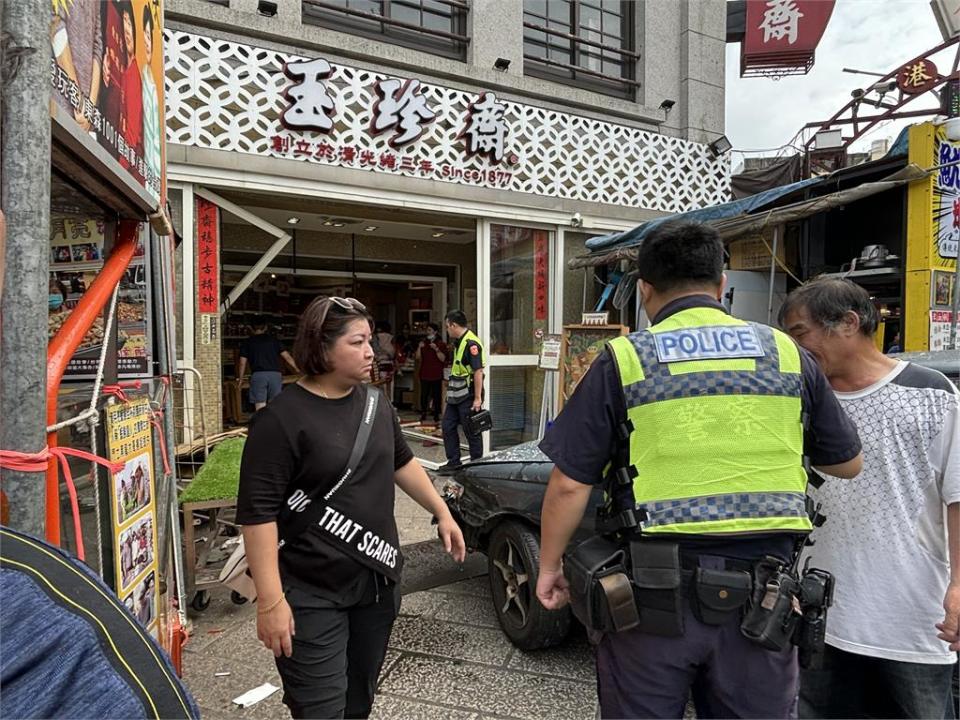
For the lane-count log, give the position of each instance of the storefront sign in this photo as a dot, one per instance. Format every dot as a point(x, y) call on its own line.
point(940, 329)
point(946, 198)
point(106, 70)
point(541, 275)
point(208, 257)
point(916, 78)
point(133, 509)
point(315, 111)
point(76, 256)
point(781, 36)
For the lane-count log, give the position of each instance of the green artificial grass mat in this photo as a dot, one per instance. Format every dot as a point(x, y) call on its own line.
point(219, 477)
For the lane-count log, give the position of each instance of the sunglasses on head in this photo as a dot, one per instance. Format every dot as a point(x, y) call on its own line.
point(348, 303)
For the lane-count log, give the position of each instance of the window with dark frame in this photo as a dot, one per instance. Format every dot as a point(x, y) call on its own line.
point(588, 43)
point(434, 26)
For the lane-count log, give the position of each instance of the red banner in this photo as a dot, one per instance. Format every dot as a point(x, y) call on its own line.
point(541, 275)
point(208, 257)
point(781, 36)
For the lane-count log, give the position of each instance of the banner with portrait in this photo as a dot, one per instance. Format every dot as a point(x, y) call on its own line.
point(106, 69)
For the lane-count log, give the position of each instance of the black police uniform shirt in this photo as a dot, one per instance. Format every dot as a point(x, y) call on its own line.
point(582, 439)
point(472, 356)
point(262, 352)
point(301, 440)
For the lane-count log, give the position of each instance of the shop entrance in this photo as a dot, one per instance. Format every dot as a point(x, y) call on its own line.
point(409, 269)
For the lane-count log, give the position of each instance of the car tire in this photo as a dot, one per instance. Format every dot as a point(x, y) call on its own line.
point(513, 567)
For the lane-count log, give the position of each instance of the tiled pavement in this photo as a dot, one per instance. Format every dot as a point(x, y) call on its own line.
point(447, 657)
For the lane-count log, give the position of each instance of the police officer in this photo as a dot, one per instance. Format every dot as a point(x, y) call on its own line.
point(464, 391)
point(701, 418)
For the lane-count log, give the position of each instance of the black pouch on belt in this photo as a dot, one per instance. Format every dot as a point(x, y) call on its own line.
point(772, 616)
point(656, 576)
point(719, 594)
point(601, 596)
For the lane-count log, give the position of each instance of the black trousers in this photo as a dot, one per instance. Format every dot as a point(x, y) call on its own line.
point(337, 652)
point(455, 416)
point(431, 389)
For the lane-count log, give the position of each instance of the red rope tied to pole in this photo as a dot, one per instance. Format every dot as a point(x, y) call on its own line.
point(155, 420)
point(37, 462)
point(118, 389)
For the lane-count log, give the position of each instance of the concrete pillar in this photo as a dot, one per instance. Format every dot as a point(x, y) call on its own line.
point(25, 200)
point(497, 31)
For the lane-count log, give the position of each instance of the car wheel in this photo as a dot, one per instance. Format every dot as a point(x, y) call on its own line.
point(513, 566)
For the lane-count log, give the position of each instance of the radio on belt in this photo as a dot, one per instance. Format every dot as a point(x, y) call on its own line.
point(715, 342)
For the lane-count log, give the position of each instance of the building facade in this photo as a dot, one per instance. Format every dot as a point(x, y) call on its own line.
point(432, 154)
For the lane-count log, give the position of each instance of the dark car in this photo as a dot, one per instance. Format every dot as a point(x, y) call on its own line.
point(497, 500)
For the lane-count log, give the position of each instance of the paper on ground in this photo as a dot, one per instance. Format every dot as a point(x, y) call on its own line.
point(252, 697)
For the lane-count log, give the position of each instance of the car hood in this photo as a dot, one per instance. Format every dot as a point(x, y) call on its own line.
point(526, 452)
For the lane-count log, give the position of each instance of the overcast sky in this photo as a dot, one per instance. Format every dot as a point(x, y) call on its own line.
point(874, 35)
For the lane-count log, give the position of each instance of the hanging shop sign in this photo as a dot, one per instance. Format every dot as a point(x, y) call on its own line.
point(106, 71)
point(550, 349)
point(314, 110)
point(76, 257)
point(208, 257)
point(133, 509)
point(946, 200)
point(541, 274)
point(917, 78)
point(781, 36)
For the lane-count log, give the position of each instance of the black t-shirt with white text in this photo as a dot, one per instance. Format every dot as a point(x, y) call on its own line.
point(299, 441)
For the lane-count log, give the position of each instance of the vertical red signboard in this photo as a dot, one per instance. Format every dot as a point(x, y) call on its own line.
point(541, 274)
point(208, 257)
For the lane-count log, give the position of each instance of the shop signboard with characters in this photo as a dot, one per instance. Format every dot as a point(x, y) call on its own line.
point(106, 75)
point(133, 509)
point(76, 257)
point(943, 250)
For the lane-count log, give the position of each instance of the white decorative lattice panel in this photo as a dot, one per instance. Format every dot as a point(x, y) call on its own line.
point(229, 96)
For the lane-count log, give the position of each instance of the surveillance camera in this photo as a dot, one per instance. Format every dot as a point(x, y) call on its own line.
point(885, 86)
point(576, 220)
point(857, 94)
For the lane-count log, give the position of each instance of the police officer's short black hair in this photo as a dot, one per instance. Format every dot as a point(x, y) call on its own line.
point(827, 302)
point(457, 317)
point(681, 254)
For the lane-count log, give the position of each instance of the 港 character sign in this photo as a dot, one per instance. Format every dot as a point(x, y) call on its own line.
point(208, 257)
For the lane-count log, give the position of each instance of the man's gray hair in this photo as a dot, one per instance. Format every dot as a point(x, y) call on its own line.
point(827, 302)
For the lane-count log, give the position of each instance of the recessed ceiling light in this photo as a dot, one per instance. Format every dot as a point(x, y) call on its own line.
point(273, 275)
point(338, 224)
point(370, 228)
point(293, 220)
point(438, 234)
point(328, 223)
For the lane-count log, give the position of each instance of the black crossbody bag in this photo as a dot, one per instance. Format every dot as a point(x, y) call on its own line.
point(300, 511)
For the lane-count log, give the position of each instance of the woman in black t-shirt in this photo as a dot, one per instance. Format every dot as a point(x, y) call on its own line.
point(328, 598)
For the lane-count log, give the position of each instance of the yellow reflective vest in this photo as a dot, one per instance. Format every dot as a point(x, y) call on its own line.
point(716, 445)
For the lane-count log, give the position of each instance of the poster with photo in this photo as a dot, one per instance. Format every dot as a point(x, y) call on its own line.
point(943, 288)
point(76, 257)
point(133, 507)
point(106, 73)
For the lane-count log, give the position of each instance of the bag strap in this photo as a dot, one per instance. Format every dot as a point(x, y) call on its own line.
point(301, 514)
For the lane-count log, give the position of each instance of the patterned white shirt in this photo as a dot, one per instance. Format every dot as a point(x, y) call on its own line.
point(885, 539)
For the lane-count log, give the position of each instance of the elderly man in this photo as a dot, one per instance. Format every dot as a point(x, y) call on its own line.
point(892, 538)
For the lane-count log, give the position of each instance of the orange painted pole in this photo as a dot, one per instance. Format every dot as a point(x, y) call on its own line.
point(65, 343)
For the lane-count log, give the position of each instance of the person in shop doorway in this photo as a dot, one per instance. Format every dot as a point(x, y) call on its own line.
point(264, 354)
point(895, 346)
point(385, 356)
point(695, 429)
point(432, 355)
point(464, 391)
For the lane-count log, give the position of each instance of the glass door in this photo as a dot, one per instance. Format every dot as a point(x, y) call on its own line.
point(515, 310)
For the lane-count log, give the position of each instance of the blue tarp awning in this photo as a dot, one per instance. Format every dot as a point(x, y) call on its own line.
point(747, 205)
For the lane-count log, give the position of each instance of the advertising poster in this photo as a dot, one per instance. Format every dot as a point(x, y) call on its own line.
point(208, 257)
point(76, 256)
point(946, 202)
point(133, 509)
point(106, 73)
